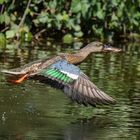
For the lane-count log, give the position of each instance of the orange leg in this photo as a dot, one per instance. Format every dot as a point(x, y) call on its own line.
point(20, 80)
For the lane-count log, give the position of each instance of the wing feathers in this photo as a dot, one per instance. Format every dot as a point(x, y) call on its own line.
point(81, 90)
point(85, 92)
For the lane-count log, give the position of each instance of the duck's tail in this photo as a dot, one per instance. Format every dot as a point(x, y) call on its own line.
point(12, 72)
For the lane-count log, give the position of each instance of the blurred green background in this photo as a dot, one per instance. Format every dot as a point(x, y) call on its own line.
point(26, 20)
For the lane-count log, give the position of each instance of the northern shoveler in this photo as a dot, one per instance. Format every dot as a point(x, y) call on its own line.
point(60, 73)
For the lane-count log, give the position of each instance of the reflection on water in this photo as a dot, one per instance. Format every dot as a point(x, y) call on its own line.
point(32, 111)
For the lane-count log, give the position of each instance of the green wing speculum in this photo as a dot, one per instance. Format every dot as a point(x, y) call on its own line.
point(56, 75)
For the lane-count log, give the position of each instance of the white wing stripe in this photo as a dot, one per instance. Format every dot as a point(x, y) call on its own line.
point(73, 76)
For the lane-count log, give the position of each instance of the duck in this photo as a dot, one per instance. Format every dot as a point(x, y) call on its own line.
point(62, 72)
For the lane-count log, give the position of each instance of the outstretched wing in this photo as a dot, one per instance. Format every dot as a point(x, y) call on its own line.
point(85, 92)
point(74, 83)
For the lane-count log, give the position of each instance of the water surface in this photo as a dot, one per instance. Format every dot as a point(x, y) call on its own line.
point(33, 111)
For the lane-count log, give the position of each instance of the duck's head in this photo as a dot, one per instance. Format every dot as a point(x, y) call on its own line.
point(109, 48)
point(100, 47)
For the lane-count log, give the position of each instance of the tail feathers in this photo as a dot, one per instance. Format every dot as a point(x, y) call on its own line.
point(12, 72)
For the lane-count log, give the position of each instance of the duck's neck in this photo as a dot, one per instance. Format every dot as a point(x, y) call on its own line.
point(78, 57)
point(81, 54)
point(84, 52)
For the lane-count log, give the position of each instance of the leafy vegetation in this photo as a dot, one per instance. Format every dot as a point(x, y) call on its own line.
point(21, 20)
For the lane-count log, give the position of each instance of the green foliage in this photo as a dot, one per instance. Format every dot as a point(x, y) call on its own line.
point(18, 19)
point(1, 1)
point(68, 38)
point(2, 41)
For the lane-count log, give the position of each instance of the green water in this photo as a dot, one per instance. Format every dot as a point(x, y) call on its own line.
point(33, 111)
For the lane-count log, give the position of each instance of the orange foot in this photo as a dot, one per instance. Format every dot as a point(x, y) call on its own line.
point(20, 80)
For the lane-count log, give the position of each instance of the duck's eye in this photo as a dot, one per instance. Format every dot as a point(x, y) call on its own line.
point(106, 46)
